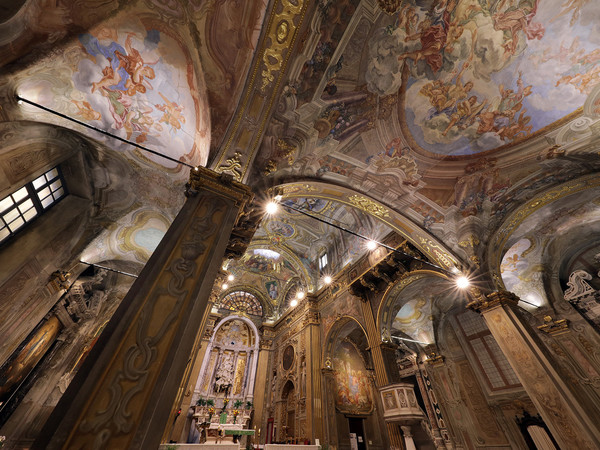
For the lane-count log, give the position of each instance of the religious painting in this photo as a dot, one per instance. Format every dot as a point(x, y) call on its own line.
point(272, 289)
point(354, 390)
point(16, 369)
point(288, 357)
point(281, 228)
point(475, 75)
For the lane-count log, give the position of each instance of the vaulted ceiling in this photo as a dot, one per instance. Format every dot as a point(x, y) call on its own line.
point(443, 118)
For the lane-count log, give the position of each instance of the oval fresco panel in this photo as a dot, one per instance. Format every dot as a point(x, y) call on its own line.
point(476, 75)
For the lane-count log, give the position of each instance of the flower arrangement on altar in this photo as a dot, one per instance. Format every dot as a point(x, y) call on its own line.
point(235, 414)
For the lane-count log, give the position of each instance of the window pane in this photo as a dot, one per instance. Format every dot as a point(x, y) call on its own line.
point(52, 174)
point(25, 205)
point(44, 193)
point(4, 233)
point(58, 194)
point(30, 214)
point(20, 194)
point(11, 215)
point(47, 201)
point(6, 203)
point(39, 182)
point(18, 223)
point(54, 186)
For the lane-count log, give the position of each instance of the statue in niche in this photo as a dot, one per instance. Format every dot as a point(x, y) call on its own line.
point(224, 375)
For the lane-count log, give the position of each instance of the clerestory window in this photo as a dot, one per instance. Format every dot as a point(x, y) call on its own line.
point(29, 201)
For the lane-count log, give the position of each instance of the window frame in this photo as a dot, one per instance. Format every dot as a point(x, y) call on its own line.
point(37, 203)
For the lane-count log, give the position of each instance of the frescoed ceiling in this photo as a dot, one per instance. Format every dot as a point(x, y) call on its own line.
point(285, 250)
point(441, 118)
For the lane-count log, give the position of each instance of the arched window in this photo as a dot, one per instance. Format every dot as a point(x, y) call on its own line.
point(241, 301)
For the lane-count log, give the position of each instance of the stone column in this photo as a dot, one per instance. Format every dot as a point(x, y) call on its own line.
point(262, 380)
point(122, 397)
point(570, 424)
point(381, 372)
point(314, 400)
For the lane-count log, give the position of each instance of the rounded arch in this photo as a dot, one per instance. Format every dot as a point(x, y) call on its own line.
point(421, 239)
point(560, 213)
point(255, 300)
point(333, 334)
point(392, 303)
point(209, 363)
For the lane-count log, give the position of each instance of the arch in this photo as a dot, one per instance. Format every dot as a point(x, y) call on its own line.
point(267, 308)
point(241, 300)
point(332, 336)
point(514, 226)
point(424, 241)
point(383, 317)
point(252, 363)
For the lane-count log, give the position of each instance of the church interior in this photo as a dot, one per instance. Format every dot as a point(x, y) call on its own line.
point(353, 224)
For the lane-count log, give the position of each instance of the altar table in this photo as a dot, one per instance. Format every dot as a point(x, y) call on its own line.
point(291, 447)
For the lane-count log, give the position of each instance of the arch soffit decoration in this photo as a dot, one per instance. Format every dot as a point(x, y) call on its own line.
point(393, 291)
point(266, 305)
point(246, 320)
point(420, 238)
point(506, 235)
point(333, 335)
point(287, 253)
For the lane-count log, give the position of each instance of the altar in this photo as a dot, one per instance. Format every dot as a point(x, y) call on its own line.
point(291, 447)
point(207, 446)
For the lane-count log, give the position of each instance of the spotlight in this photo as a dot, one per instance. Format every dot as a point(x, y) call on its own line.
point(225, 286)
point(278, 198)
point(230, 278)
point(299, 295)
point(327, 279)
point(454, 270)
point(294, 303)
point(371, 245)
point(196, 168)
point(462, 282)
point(271, 208)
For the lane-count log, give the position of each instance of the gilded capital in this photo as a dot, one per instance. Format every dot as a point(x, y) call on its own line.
point(483, 303)
point(554, 327)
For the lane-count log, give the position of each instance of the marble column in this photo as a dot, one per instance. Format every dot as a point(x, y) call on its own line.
point(570, 424)
point(122, 397)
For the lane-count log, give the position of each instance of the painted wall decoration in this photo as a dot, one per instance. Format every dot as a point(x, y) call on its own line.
point(272, 289)
point(353, 383)
point(415, 319)
point(134, 79)
point(477, 75)
point(16, 369)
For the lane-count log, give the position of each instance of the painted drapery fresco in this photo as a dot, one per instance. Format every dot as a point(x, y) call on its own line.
point(479, 74)
point(352, 380)
point(134, 80)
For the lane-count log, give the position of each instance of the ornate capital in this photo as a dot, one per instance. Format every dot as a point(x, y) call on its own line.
point(483, 303)
point(554, 327)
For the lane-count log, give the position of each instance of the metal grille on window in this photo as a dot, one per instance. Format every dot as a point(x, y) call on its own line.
point(29, 201)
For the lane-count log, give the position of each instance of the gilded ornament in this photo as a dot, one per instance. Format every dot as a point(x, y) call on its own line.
point(368, 206)
point(554, 327)
point(233, 166)
point(273, 56)
point(471, 241)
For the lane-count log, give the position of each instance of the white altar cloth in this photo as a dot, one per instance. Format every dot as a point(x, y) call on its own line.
point(207, 446)
point(291, 447)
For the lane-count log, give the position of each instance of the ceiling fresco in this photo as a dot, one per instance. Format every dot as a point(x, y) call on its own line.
point(134, 80)
point(478, 75)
